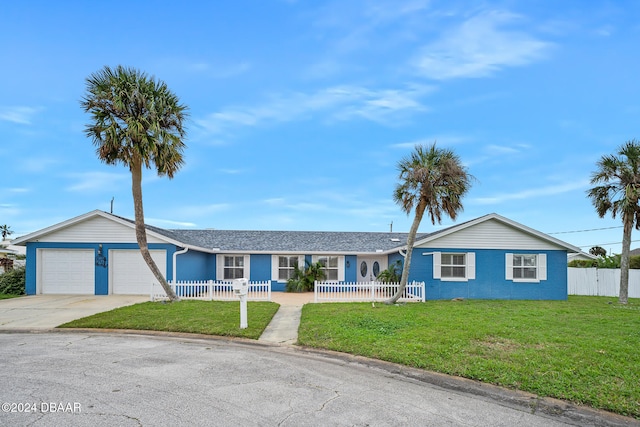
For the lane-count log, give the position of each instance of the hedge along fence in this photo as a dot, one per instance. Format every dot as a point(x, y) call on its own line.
point(604, 282)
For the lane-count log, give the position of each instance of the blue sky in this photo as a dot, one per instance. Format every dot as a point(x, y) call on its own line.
point(300, 110)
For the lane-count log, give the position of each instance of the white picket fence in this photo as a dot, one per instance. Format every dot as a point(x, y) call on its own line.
point(366, 291)
point(601, 282)
point(210, 290)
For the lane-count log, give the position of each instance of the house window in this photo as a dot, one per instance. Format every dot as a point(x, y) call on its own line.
point(526, 267)
point(286, 266)
point(329, 266)
point(453, 266)
point(233, 267)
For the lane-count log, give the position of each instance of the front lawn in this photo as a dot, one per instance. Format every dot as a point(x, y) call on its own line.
point(585, 350)
point(7, 296)
point(198, 317)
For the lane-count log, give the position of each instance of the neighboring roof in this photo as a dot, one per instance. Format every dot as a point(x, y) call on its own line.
point(581, 256)
point(633, 252)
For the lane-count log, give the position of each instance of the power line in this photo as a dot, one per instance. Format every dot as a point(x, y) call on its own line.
point(590, 229)
point(604, 244)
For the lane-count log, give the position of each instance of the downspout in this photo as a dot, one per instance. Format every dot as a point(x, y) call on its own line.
point(175, 256)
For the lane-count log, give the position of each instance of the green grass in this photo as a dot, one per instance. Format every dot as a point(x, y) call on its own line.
point(585, 350)
point(7, 296)
point(199, 317)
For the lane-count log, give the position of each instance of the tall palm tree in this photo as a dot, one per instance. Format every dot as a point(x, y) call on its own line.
point(432, 180)
point(617, 190)
point(136, 121)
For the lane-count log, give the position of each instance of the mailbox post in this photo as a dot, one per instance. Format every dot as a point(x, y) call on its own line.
point(241, 288)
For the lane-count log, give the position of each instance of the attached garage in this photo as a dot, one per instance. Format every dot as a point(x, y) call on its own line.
point(129, 273)
point(66, 271)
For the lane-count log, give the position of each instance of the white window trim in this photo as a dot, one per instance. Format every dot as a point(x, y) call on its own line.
point(469, 271)
point(541, 268)
point(314, 259)
point(275, 266)
point(220, 266)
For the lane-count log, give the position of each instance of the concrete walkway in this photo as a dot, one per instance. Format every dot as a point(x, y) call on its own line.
point(283, 328)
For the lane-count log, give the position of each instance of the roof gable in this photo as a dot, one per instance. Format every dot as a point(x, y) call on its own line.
point(493, 232)
point(95, 226)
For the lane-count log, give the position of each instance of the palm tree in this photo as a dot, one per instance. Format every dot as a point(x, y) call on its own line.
point(432, 180)
point(598, 251)
point(617, 190)
point(136, 121)
point(6, 231)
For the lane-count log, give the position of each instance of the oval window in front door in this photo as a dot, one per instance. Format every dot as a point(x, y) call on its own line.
point(375, 269)
point(363, 269)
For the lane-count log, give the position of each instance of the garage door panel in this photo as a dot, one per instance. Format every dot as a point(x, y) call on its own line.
point(67, 271)
point(130, 274)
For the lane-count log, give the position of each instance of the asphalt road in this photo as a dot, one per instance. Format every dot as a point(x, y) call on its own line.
point(97, 379)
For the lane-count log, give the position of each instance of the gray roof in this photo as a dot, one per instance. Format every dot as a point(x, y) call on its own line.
point(291, 241)
point(251, 241)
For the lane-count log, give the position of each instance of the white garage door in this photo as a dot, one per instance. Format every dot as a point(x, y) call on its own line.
point(130, 275)
point(66, 271)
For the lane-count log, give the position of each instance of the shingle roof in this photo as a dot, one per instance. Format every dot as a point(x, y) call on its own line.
point(286, 241)
point(291, 241)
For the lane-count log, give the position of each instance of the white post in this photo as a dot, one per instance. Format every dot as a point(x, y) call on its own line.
point(243, 312)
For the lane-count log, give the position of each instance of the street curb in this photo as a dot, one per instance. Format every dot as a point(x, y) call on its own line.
point(554, 408)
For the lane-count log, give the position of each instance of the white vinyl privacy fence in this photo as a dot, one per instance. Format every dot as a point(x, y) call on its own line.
point(212, 290)
point(601, 282)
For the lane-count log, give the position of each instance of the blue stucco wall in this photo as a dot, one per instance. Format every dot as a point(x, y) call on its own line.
point(490, 281)
point(101, 272)
point(193, 265)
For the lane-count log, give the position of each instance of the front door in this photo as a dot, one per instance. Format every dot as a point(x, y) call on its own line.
point(369, 267)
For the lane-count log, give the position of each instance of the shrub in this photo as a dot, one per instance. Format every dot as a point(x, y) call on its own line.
point(583, 263)
point(303, 280)
point(634, 262)
point(391, 274)
point(12, 282)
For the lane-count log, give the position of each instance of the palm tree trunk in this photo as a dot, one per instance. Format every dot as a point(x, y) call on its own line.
point(141, 232)
point(411, 238)
point(624, 261)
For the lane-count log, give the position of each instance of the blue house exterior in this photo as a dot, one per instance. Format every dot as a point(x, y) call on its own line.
point(490, 257)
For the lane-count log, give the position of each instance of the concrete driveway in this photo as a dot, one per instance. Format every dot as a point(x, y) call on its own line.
point(37, 312)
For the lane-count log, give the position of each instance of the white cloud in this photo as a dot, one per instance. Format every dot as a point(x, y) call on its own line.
point(37, 164)
point(503, 149)
point(440, 140)
point(199, 211)
point(93, 181)
point(335, 103)
point(479, 47)
point(167, 222)
point(532, 193)
point(20, 115)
